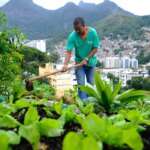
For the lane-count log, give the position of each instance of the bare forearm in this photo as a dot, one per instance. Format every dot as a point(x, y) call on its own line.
point(92, 53)
point(67, 58)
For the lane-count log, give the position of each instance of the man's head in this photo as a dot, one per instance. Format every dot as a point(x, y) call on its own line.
point(79, 25)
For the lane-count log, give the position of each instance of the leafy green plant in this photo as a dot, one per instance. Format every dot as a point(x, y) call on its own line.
point(8, 138)
point(31, 116)
point(136, 117)
point(8, 121)
point(43, 90)
point(78, 141)
point(17, 89)
point(108, 95)
point(31, 134)
point(103, 130)
point(5, 109)
point(51, 127)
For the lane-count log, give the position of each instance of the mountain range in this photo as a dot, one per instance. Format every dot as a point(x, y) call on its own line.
point(37, 22)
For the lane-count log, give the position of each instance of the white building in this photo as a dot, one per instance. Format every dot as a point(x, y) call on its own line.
point(120, 62)
point(124, 74)
point(125, 62)
point(112, 62)
point(38, 44)
point(134, 63)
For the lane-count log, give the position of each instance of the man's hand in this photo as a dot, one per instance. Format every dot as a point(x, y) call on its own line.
point(83, 62)
point(64, 68)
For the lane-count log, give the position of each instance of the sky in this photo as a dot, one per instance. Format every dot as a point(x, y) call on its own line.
point(138, 7)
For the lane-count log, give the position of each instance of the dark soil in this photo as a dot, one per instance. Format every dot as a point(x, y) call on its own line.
point(146, 138)
point(24, 145)
point(108, 147)
point(53, 143)
point(54, 115)
point(72, 126)
point(42, 113)
point(56, 143)
point(20, 114)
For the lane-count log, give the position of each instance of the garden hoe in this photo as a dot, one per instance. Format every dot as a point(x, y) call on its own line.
point(29, 82)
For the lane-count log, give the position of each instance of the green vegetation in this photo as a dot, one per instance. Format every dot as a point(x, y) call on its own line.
point(123, 25)
point(31, 62)
point(57, 125)
point(54, 57)
point(10, 58)
point(143, 58)
point(139, 83)
point(108, 120)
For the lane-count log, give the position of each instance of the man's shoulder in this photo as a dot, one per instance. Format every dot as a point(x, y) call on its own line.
point(72, 35)
point(92, 29)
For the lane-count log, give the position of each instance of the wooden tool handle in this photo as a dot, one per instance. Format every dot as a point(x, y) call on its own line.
point(53, 73)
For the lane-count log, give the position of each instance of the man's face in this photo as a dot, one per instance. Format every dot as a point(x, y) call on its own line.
point(79, 29)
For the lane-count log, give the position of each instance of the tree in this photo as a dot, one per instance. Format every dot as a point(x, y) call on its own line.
point(31, 62)
point(143, 58)
point(10, 57)
point(54, 57)
point(146, 84)
point(113, 78)
point(139, 83)
point(3, 19)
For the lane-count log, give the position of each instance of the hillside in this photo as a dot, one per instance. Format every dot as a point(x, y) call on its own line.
point(38, 22)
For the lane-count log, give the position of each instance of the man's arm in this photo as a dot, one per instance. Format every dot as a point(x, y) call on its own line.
point(92, 53)
point(66, 61)
point(95, 47)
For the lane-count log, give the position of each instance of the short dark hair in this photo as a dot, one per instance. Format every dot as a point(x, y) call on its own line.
point(79, 20)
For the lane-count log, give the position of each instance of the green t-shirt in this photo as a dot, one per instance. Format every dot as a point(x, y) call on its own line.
point(83, 46)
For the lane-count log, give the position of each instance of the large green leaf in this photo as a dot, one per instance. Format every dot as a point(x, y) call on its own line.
point(4, 140)
point(89, 143)
point(99, 82)
point(132, 139)
point(31, 134)
point(31, 116)
point(22, 103)
point(13, 137)
point(108, 91)
point(72, 141)
point(114, 136)
point(5, 109)
point(8, 121)
point(116, 90)
point(75, 141)
point(51, 127)
point(7, 138)
point(105, 101)
point(130, 95)
point(95, 126)
point(58, 107)
point(90, 91)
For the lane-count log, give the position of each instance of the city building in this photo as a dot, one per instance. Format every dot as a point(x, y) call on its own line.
point(112, 62)
point(134, 63)
point(38, 44)
point(124, 74)
point(124, 62)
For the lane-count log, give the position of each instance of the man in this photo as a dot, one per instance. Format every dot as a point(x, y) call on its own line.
point(85, 41)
